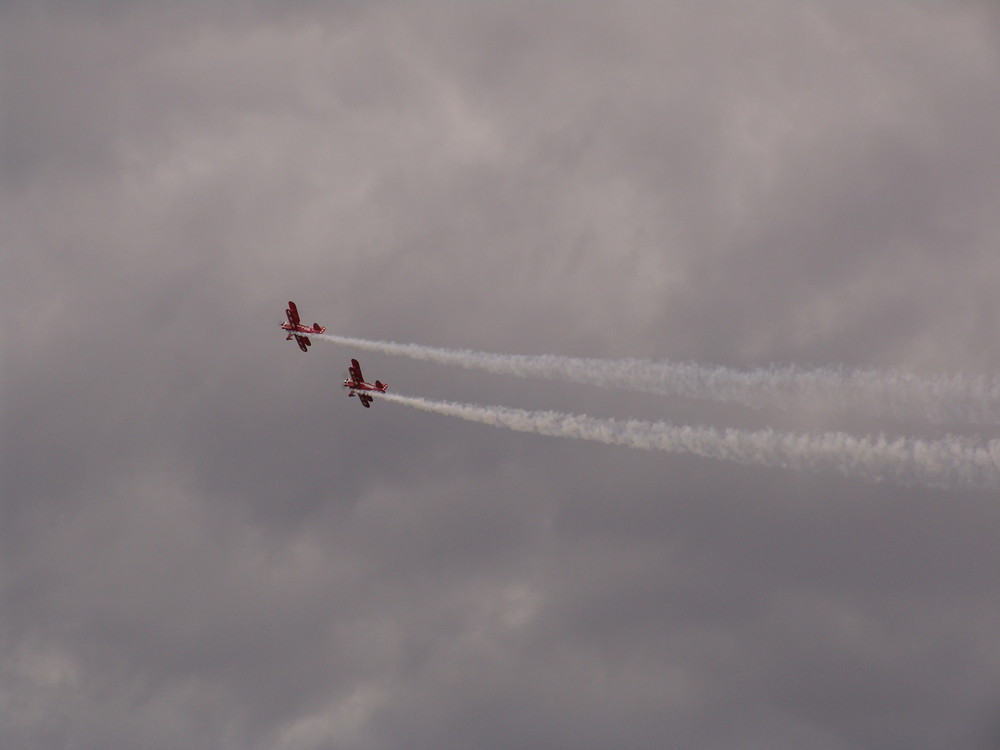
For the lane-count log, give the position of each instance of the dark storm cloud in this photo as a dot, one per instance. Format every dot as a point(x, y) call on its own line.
point(205, 543)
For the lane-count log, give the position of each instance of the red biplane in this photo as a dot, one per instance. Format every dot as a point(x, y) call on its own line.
point(296, 329)
point(356, 382)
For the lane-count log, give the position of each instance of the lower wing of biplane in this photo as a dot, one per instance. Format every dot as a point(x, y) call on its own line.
point(364, 398)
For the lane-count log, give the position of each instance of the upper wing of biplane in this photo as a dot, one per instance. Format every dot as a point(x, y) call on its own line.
point(356, 375)
point(293, 313)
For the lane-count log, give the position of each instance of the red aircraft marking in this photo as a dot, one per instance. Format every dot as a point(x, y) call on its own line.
point(356, 382)
point(295, 328)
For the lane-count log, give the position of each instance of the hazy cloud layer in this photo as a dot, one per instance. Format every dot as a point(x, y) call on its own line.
point(205, 543)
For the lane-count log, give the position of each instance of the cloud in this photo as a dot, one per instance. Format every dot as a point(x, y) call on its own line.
point(205, 543)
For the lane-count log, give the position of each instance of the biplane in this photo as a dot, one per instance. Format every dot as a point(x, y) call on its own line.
point(296, 330)
point(359, 387)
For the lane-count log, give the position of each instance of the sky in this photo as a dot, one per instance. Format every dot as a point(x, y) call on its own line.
point(205, 543)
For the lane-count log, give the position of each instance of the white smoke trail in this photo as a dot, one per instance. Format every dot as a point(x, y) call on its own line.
point(942, 400)
point(953, 462)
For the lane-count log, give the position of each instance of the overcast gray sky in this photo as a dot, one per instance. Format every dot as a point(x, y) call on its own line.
point(205, 543)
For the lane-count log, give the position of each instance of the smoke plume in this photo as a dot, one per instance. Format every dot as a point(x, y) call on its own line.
point(946, 399)
point(952, 462)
